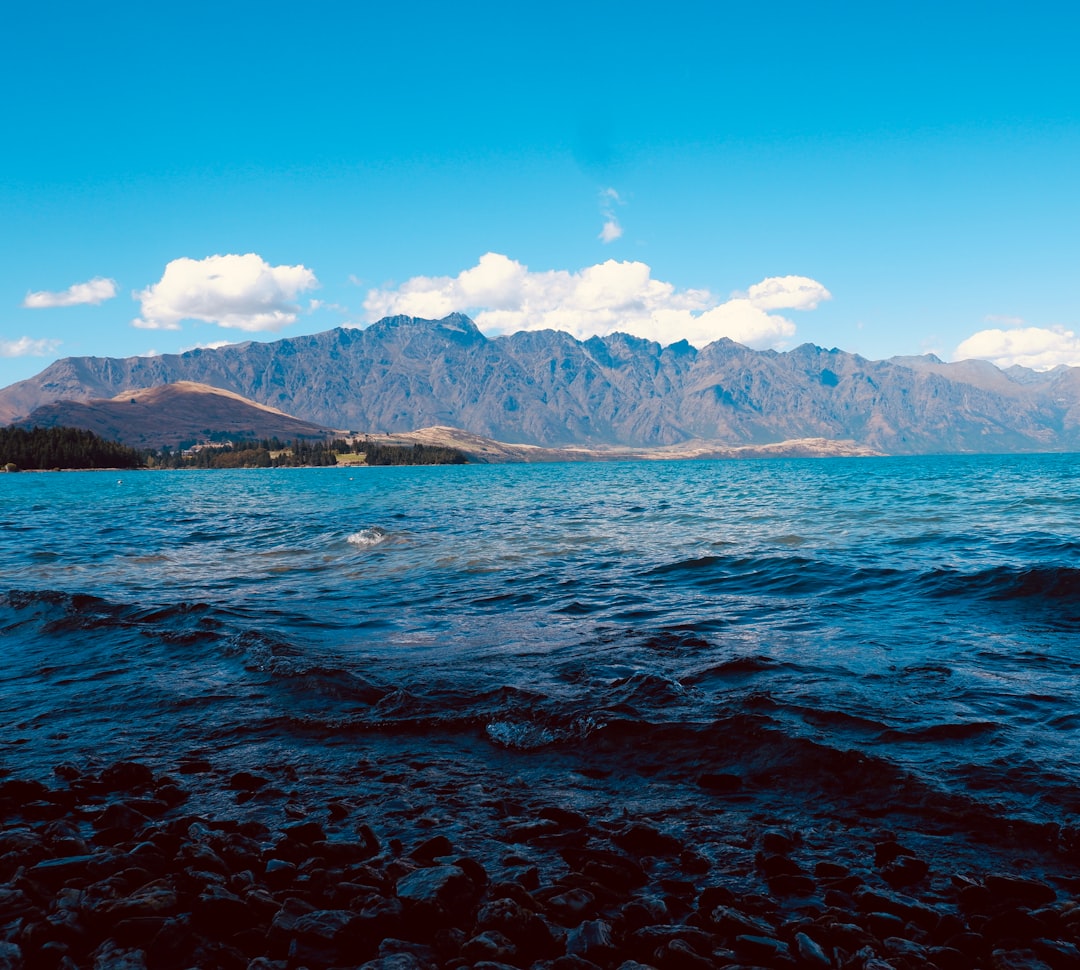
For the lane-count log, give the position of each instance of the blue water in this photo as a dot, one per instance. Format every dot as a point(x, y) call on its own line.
point(902, 632)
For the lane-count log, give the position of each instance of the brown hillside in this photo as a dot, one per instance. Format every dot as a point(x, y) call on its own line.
point(174, 414)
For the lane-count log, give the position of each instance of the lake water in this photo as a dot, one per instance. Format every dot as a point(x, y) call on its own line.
point(894, 635)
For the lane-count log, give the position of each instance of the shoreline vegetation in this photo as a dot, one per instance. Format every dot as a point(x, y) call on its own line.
point(73, 449)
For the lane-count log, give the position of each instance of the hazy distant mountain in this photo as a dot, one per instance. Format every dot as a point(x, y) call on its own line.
point(547, 388)
point(173, 415)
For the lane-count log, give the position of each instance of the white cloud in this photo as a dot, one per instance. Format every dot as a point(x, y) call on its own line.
point(503, 296)
point(27, 347)
point(1039, 348)
point(611, 231)
point(787, 293)
point(209, 345)
point(94, 291)
point(243, 292)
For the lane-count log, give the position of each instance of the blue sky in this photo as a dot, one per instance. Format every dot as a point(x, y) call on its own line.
point(887, 179)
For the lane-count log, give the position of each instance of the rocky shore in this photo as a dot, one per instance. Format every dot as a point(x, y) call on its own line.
point(122, 867)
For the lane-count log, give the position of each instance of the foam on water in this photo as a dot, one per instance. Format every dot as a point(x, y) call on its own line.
point(368, 537)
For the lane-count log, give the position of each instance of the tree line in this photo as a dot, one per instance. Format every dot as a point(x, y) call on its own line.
point(45, 448)
point(274, 453)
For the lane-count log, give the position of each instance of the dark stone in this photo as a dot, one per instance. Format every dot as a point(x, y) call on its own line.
point(56, 872)
point(173, 946)
point(885, 852)
point(693, 862)
point(126, 776)
point(529, 933)
point(19, 791)
point(138, 931)
point(489, 945)
point(905, 907)
point(778, 865)
point(280, 873)
point(713, 896)
point(792, 885)
point(730, 922)
point(1026, 891)
point(572, 906)
point(720, 783)
point(904, 870)
point(396, 961)
point(1017, 959)
point(304, 833)
point(430, 850)
point(342, 853)
point(778, 842)
point(1012, 923)
point(611, 869)
point(971, 944)
point(677, 954)
point(474, 870)
point(642, 840)
point(763, 949)
point(947, 958)
point(846, 885)
point(67, 771)
point(883, 925)
point(154, 899)
point(592, 940)
point(649, 938)
point(119, 821)
point(219, 912)
point(849, 936)
point(319, 937)
point(565, 818)
point(1058, 954)
point(811, 953)
point(436, 896)
point(171, 795)
point(283, 925)
point(974, 899)
point(246, 781)
point(531, 831)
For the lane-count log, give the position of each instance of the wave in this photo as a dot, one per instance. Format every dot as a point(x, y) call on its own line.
point(1050, 582)
point(801, 576)
point(530, 735)
point(366, 538)
point(57, 611)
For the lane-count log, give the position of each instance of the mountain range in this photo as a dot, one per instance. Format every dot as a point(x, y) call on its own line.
point(547, 388)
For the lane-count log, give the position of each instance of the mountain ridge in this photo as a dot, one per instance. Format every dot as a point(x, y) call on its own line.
point(547, 388)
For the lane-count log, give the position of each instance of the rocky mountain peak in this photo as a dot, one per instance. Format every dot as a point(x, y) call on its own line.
point(547, 388)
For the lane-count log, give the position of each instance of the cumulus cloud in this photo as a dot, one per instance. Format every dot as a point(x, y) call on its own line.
point(503, 296)
point(611, 231)
point(208, 345)
point(243, 292)
point(27, 347)
point(1039, 348)
point(787, 293)
point(94, 291)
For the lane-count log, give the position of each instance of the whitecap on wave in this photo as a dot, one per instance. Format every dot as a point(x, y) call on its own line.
point(368, 537)
point(528, 735)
